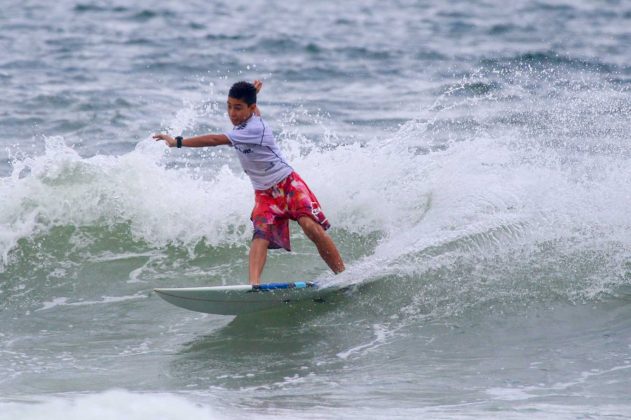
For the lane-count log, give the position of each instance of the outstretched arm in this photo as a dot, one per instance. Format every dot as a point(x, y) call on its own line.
point(205, 140)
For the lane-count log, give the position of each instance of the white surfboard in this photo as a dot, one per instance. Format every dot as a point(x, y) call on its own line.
point(241, 299)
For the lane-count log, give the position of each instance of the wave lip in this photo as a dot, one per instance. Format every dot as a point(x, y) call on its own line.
point(60, 188)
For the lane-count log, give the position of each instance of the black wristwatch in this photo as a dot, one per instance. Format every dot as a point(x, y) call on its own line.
point(179, 141)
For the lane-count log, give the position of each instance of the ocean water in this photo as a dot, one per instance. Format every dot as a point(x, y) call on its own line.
point(474, 159)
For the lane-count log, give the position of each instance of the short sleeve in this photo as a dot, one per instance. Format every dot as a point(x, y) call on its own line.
point(250, 134)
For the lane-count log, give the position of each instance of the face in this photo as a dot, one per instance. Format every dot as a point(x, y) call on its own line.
point(239, 111)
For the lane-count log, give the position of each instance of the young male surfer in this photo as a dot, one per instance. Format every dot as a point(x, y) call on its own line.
point(279, 192)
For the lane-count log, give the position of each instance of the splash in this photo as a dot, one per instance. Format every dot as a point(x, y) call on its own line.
point(160, 205)
point(490, 193)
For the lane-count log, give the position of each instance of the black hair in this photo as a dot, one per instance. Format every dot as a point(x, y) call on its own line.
point(243, 91)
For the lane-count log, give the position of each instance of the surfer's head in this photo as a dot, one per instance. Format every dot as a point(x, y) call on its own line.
point(241, 102)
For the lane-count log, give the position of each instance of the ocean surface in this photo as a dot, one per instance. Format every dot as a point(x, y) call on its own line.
point(473, 157)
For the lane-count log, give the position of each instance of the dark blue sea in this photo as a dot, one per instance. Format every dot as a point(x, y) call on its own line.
point(473, 158)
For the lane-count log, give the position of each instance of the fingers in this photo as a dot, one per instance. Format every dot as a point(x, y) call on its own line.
point(170, 141)
point(258, 85)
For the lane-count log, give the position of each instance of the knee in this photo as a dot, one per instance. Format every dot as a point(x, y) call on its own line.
point(313, 230)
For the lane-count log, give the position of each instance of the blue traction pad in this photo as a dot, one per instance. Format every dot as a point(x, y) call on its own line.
point(276, 286)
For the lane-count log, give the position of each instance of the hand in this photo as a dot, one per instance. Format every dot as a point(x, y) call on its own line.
point(170, 141)
point(258, 85)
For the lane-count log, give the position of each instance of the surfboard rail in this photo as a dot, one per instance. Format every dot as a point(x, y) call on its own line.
point(240, 299)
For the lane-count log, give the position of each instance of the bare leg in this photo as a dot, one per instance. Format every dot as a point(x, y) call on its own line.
point(258, 256)
point(326, 247)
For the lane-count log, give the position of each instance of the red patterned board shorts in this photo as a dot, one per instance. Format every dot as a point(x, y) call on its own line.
point(291, 199)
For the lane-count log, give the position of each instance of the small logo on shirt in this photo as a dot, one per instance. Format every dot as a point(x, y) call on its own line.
point(244, 150)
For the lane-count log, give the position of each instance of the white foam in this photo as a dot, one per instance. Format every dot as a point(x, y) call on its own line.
point(161, 205)
point(509, 394)
point(63, 301)
point(110, 405)
point(381, 335)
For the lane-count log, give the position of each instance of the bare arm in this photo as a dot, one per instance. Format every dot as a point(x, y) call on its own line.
point(205, 140)
point(258, 85)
